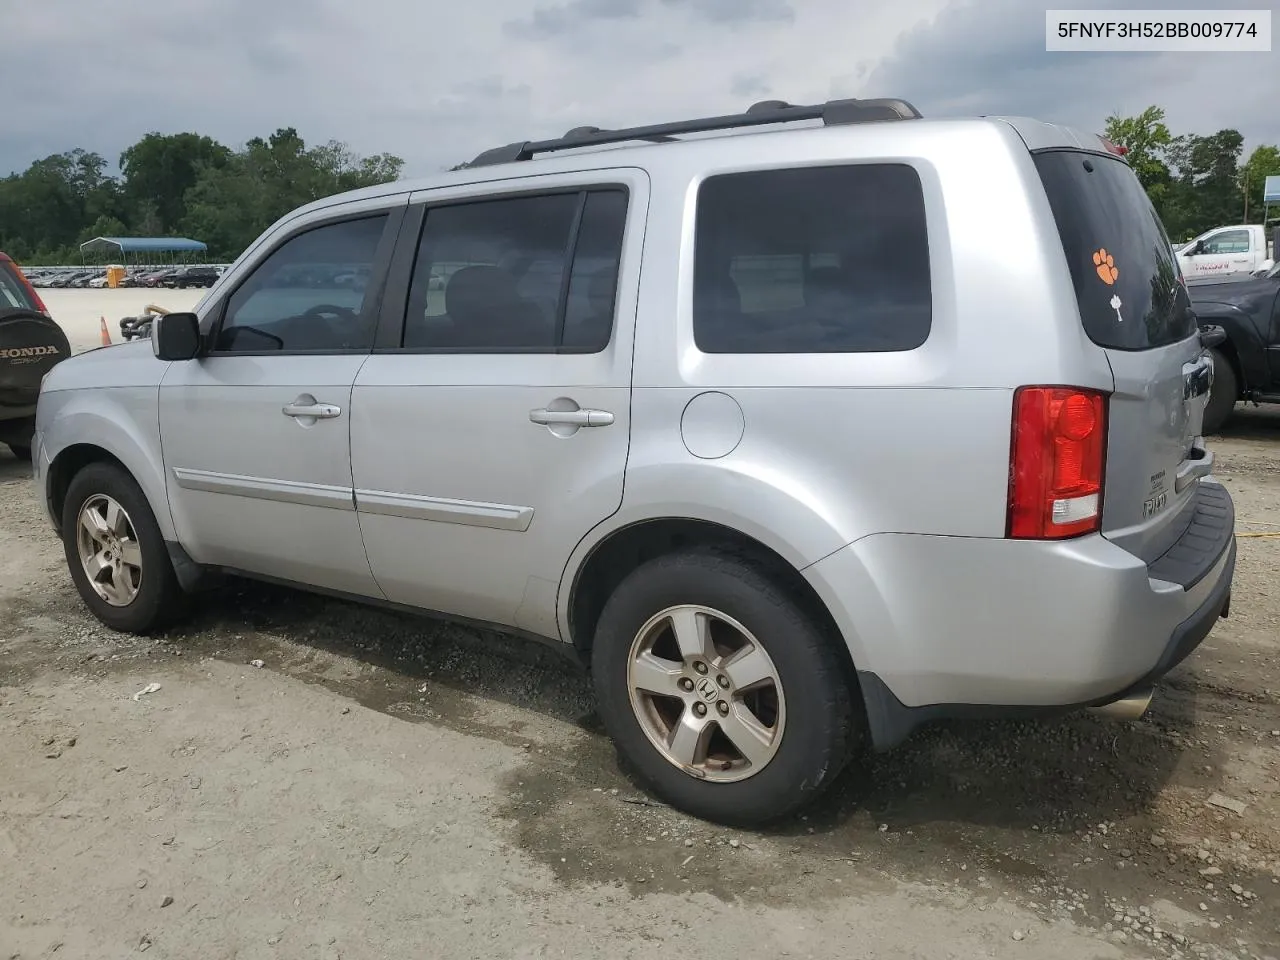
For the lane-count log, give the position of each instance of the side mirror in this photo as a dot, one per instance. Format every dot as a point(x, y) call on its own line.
point(176, 336)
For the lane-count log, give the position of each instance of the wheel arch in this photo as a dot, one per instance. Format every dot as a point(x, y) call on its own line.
point(1243, 347)
point(588, 584)
point(115, 440)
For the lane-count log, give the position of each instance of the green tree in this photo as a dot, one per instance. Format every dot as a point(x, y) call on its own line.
point(46, 207)
point(1262, 163)
point(159, 169)
point(230, 204)
point(1147, 139)
point(1205, 191)
point(181, 182)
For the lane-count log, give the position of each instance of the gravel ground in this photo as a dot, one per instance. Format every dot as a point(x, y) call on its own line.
point(386, 786)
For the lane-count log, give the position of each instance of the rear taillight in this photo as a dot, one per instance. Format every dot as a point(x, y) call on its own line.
point(1057, 462)
point(1115, 148)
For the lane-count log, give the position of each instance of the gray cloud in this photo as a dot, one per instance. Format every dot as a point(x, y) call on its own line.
point(553, 21)
point(437, 83)
point(988, 58)
point(749, 85)
point(737, 11)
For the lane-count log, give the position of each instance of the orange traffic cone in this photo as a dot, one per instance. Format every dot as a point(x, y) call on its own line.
point(106, 334)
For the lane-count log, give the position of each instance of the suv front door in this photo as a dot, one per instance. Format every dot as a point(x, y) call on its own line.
point(490, 426)
point(256, 430)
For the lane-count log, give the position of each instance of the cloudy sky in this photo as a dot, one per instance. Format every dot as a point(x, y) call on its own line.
point(437, 82)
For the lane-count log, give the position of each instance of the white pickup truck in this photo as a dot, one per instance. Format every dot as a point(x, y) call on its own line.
point(1224, 251)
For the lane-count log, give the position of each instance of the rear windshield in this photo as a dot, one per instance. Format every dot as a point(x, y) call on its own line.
point(1121, 262)
point(13, 292)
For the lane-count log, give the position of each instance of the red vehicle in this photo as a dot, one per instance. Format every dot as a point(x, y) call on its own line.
point(15, 290)
point(30, 344)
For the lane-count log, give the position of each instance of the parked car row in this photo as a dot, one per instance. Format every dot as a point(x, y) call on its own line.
point(192, 275)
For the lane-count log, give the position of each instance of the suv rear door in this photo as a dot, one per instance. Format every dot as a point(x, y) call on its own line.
point(1134, 305)
point(490, 427)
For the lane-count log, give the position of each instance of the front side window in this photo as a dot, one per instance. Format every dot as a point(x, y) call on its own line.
point(299, 299)
point(812, 260)
point(528, 273)
point(1229, 241)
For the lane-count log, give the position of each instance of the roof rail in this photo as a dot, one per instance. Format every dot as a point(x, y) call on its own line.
point(831, 113)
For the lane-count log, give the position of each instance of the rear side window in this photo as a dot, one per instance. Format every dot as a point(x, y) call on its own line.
point(812, 260)
point(13, 292)
point(1122, 266)
point(518, 274)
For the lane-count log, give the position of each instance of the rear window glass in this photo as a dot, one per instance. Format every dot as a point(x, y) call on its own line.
point(13, 293)
point(812, 260)
point(1122, 265)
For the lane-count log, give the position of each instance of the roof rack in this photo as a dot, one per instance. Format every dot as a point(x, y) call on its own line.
point(831, 113)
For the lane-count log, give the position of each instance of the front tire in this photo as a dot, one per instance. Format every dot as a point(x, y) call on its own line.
point(721, 693)
point(116, 552)
point(1222, 395)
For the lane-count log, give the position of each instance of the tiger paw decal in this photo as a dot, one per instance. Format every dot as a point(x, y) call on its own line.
point(1106, 265)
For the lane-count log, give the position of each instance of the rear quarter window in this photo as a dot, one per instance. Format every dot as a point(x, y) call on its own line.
point(13, 293)
point(812, 260)
point(1122, 264)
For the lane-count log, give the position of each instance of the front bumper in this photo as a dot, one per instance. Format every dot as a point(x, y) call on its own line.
point(951, 627)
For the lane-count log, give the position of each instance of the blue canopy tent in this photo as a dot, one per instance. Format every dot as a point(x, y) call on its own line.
point(142, 250)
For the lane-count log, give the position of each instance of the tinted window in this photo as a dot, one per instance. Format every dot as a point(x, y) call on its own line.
point(1124, 272)
point(298, 299)
point(13, 293)
point(593, 284)
point(491, 275)
point(812, 260)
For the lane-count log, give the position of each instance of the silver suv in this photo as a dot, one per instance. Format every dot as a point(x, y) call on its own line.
point(803, 431)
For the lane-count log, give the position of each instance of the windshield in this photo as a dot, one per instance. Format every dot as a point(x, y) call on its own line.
point(1122, 264)
point(13, 292)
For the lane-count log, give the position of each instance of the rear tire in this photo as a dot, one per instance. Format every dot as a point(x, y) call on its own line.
point(21, 451)
point(792, 708)
point(133, 587)
point(1222, 395)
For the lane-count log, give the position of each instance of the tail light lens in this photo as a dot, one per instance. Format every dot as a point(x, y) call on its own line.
point(1115, 148)
point(1057, 463)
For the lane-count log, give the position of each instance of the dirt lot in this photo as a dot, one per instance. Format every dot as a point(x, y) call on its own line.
point(390, 787)
point(79, 312)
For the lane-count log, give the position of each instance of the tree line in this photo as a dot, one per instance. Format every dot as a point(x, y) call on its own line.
point(180, 184)
point(1195, 182)
point(185, 184)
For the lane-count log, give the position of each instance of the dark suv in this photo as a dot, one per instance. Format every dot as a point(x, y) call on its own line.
point(1246, 363)
point(30, 344)
point(196, 276)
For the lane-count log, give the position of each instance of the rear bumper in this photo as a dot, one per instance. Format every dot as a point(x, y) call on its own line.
point(949, 627)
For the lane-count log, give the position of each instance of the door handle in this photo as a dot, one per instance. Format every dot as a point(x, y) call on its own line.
point(320, 411)
point(572, 418)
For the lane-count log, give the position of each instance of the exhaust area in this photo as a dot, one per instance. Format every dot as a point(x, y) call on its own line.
point(1132, 707)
